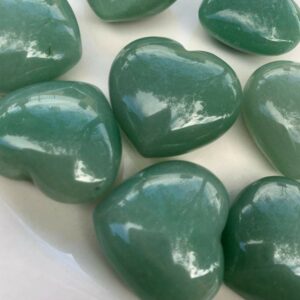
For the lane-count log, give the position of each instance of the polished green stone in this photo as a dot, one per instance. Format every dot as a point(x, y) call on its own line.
point(161, 231)
point(262, 241)
point(39, 40)
point(271, 112)
point(63, 137)
point(268, 27)
point(128, 10)
point(169, 100)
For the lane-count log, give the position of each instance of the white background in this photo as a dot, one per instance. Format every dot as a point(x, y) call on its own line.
point(48, 250)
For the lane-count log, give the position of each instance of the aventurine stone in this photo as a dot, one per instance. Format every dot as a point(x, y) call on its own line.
point(161, 231)
point(128, 10)
point(169, 100)
point(268, 27)
point(262, 241)
point(271, 111)
point(63, 137)
point(39, 40)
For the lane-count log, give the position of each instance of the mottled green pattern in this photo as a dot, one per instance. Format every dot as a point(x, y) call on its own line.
point(272, 113)
point(161, 231)
point(268, 27)
point(39, 40)
point(63, 137)
point(262, 241)
point(128, 10)
point(169, 100)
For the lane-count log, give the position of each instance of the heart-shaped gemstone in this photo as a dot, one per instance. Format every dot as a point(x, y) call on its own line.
point(63, 137)
point(39, 40)
point(262, 241)
point(271, 111)
point(268, 27)
point(128, 10)
point(161, 231)
point(169, 100)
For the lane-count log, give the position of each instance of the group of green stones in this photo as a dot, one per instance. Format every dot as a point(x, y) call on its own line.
point(161, 229)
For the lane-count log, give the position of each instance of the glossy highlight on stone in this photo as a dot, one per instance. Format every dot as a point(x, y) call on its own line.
point(128, 10)
point(267, 27)
point(39, 41)
point(161, 231)
point(63, 137)
point(271, 111)
point(169, 100)
point(262, 241)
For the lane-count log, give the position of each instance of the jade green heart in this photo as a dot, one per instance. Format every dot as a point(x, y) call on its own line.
point(161, 231)
point(39, 40)
point(271, 112)
point(268, 27)
point(63, 137)
point(262, 241)
point(128, 10)
point(169, 100)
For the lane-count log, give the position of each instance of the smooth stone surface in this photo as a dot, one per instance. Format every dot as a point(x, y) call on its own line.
point(262, 241)
point(63, 137)
point(268, 27)
point(271, 112)
point(39, 40)
point(169, 100)
point(128, 10)
point(161, 231)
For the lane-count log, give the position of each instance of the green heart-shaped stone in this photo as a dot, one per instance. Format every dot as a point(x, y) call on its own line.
point(262, 241)
point(169, 100)
point(128, 10)
point(161, 231)
point(39, 40)
point(63, 137)
point(271, 111)
point(268, 27)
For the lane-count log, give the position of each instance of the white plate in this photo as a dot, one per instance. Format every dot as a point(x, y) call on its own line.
point(48, 250)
